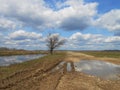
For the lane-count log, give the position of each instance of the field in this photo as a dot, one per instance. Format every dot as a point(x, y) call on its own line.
point(42, 74)
point(110, 54)
point(19, 52)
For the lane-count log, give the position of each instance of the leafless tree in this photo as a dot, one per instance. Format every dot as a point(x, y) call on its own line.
point(54, 41)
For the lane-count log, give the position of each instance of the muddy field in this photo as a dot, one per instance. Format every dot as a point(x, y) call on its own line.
point(55, 75)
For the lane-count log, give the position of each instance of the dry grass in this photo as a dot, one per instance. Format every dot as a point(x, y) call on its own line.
point(77, 56)
point(108, 54)
point(20, 52)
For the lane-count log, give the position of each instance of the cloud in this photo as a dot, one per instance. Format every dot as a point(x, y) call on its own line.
point(1, 36)
point(22, 39)
point(79, 36)
point(28, 40)
point(81, 41)
point(78, 16)
point(74, 23)
point(8, 24)
point(117, 33)
point(113, 39)
point(22, 35)
point(38, 15)
point(68, 15)
point(31, 13)
point(110, 21)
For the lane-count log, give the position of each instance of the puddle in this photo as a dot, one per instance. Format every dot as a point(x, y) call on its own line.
point(98, 68)
point(69, 67)
point(101, 69)
point(8, 60)
point(60, 66)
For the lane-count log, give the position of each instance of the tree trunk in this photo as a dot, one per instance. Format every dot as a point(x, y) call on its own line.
point(51, 51)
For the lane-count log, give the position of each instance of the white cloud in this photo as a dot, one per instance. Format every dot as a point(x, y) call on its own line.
point(81, 41)
point(31, 13)
point(70, 15)
point(22, 35)
point(113, 39)
point(78, 15)
point(37, 14)
point(110, 20)
point(22, 39)
point(80, 36)
point(9, 24)
point(76, 41)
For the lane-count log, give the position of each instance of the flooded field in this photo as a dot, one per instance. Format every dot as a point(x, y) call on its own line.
point(101, 69)
point(98, 68)
point(8, 60)
point(57, 72)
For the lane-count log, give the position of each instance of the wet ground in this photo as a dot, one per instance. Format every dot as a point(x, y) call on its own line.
point(100, 69)
point(89, 75)
point(66, 75)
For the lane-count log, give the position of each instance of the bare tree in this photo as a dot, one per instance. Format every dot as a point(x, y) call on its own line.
point(54, 41)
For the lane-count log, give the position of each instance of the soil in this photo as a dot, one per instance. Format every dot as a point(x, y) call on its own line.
point(80, 81)
point(48, 78)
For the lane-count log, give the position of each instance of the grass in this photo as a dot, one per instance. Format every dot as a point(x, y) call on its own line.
point(42, 62)
point(109, 54)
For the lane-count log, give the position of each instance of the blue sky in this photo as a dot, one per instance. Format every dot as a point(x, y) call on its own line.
point(85, 24)
point(106, 5)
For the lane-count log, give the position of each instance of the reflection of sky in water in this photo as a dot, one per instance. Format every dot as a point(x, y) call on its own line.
point(69, 68)
point(98, 68)
point(7, 60)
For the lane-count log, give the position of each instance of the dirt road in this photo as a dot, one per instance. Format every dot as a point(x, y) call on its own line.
point(76, 56)
point(56, 77)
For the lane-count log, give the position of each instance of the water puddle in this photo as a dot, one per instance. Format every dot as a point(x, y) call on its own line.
point(8, 60)
point(69, 67)
point(101, 69)
point(98, 68)
point(60, 67)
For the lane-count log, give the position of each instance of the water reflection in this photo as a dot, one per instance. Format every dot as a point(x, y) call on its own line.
point(69, 67)
point(98, 68)
point(7, 60)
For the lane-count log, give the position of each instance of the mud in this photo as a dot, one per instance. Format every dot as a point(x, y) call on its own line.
point(59, 75)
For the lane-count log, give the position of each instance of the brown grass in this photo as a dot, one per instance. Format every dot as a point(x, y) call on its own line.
point(77, 56)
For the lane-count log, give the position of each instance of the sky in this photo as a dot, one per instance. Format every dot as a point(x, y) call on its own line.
point(84, 24)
